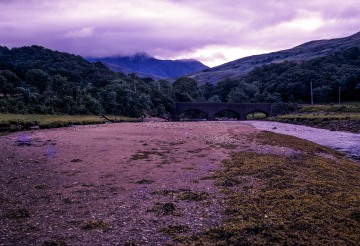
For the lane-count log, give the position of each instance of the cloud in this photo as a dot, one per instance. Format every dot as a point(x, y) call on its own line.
point(81, 33)
point(174, 28)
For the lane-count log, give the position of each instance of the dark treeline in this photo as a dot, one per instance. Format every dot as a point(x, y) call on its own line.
point(38, 80)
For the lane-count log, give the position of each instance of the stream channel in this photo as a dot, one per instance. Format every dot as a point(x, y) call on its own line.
point(346, 142)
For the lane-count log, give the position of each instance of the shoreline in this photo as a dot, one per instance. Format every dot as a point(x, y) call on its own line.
point(351, 126)
point(345, 142)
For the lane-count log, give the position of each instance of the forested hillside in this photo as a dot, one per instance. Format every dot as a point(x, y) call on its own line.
point(38, 80)
point(290, 81)
point(305, 52)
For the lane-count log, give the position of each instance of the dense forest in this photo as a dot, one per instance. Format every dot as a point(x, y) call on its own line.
point(38, 80)
point(290, 81)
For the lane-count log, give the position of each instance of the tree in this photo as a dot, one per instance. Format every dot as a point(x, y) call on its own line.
point(8, 82)
point(166, 88)
point(186, 90)
point(238, 95)
point(223, 88)
point(3, 85)
point(214, 99)
point(61, 85)
point(38, 79)
point(207, 90)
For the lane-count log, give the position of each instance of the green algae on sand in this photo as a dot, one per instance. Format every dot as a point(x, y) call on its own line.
point(309, 197)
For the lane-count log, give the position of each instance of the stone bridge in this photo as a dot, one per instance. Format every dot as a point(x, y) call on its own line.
point(241, 109)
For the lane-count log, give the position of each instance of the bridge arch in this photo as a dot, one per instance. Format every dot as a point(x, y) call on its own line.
point(226, 113)
point(193, 113)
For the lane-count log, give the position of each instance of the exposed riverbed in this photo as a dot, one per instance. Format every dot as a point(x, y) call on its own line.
point(348, 143)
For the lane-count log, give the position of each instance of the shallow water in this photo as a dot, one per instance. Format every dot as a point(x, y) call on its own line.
point(346, 142)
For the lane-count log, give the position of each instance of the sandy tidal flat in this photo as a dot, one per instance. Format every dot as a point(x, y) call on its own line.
point(143, 183)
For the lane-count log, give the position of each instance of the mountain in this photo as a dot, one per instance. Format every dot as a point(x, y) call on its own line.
point(147, 66)
point(304, 52)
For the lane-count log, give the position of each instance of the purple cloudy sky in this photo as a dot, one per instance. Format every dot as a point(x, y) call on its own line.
point(211, 31)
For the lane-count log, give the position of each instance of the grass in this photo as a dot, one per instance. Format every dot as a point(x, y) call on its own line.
point(256, 116)
point(10, 122)
point(302, 199)
point(344, 108)
point(192, 196)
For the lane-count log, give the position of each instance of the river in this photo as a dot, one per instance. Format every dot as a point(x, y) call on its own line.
point(346, 142)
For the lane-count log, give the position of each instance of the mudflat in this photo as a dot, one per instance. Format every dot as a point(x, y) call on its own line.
point(99, 184)
point(150, 183)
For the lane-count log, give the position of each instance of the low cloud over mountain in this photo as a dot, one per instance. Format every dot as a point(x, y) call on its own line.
point(147, 66)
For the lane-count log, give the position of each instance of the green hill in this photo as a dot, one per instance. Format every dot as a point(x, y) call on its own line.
point(304, 52)
point(289, 81)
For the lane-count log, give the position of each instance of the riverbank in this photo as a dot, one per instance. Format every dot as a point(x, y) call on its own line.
point(331, 117)
point(174, 183)
point(21, 122)
point(346, 142)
